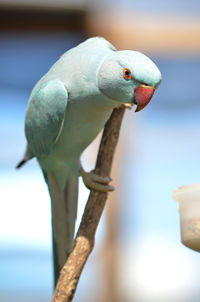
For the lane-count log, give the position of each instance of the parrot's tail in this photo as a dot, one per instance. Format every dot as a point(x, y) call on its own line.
point(64, 208)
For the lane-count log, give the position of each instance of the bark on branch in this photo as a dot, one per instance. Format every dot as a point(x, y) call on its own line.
point(84, 241)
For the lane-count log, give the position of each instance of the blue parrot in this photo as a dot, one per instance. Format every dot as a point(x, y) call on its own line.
point(67, 109)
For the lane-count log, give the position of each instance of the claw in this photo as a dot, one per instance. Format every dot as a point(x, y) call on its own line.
point(96, 182)
point(128, 106)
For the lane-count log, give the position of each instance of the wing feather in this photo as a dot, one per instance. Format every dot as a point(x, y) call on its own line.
point(45, 116)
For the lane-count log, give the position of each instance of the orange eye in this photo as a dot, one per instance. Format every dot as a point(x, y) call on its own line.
point(127, 73)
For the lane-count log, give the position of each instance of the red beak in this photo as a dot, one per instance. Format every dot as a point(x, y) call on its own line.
point(143, 95)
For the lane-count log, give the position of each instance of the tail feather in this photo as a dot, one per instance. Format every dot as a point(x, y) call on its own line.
point(64, 209)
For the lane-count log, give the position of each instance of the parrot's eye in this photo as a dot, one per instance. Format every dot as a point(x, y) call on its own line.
point(127, 73)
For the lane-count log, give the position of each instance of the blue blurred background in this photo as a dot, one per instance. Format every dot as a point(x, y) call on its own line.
point(158, 151)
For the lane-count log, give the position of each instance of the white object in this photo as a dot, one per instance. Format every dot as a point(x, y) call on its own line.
point(188, 198)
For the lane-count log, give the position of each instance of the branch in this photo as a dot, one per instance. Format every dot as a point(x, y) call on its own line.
point(84, 241)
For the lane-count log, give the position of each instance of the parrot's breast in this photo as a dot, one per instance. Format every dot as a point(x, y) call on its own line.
point(83, 121)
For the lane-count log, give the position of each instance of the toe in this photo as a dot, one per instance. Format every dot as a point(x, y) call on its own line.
point(101, 187)
point(100, 179)
point(96, 182)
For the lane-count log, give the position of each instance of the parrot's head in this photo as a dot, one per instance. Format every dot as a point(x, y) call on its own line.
point(128, 77)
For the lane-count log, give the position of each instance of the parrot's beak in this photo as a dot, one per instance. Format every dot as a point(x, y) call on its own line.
point(142, 96)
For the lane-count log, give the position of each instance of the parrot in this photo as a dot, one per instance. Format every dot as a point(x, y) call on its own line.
point(67, 109)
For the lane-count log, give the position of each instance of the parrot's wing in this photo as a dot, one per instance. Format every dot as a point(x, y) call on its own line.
point(45, 116)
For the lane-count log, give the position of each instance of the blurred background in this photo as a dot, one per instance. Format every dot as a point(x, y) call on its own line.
point(138, 255)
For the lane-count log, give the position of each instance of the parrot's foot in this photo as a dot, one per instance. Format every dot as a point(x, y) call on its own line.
point(95, 182)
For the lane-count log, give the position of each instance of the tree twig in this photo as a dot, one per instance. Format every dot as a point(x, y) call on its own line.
point(84, 241)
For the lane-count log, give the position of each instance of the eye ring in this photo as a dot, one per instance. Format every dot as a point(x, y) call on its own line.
point(126, 73)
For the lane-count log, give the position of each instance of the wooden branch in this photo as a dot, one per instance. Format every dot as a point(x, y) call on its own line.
point(85, 238)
